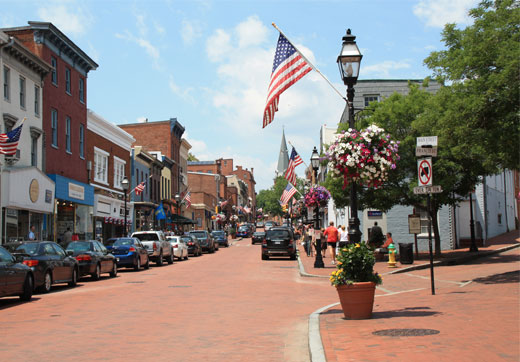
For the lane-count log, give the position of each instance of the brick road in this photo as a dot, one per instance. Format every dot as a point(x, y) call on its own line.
point(227, 306)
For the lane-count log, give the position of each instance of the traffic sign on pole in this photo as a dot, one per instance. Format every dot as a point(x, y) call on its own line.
point(427, 141)
point(425, 171)
point(423, 190)
point(425, 151)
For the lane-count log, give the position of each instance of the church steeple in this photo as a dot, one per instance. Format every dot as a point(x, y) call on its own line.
point(283, 157)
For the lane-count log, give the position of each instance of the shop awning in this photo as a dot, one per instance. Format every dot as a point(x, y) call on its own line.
point(179, 219)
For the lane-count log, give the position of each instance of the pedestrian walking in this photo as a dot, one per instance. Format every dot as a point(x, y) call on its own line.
point(331, 233)
point(376, 236)
point(31, 235)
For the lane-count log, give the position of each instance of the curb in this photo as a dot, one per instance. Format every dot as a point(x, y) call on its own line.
point(316, 351)
point(303, 273)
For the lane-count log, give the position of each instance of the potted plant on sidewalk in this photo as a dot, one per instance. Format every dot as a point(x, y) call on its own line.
point(355, 280)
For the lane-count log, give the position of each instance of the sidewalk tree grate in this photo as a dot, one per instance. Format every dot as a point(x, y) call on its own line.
point(405, 332)
point(136, 282)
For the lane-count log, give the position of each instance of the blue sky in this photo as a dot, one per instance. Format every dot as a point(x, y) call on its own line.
point(208, 63)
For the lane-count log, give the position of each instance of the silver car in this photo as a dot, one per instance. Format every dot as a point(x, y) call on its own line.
point(180, 249)
point(156, 245)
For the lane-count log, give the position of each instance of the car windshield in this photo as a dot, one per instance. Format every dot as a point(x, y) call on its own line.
point(243, 228)
point(277, 234)
point(146, 237)
point(124, 242)
point(199, 234)
point(259, 234)
point(80, 246)
point(29, 248)
point(218, 233)
point(172, 238)
point(186, 239)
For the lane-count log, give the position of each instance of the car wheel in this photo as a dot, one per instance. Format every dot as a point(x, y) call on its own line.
point(137, 265)
point(159, 261)
point(186, 257)
point(97, 273)
point(147, 265)
point(28, 287)
point(265, 257)
point(74, 279)
point(113, 273)
point(47, 283)
point(170, 258)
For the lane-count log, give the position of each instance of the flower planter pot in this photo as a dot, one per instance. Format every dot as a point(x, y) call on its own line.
point(357, 300)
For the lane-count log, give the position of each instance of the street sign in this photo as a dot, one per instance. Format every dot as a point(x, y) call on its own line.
point(425, 171)
point(427, 141)
point(426, 151)
point(414, 224)
point(423, 190)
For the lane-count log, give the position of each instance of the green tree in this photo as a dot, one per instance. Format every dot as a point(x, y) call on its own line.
point(191, 157)
point(269, 200)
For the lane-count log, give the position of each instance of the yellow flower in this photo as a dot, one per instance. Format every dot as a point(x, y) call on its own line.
point(344, 249)
point(339, 263)
point(358, 246)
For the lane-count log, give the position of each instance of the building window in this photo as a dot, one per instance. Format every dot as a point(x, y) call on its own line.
point(371, 98)
point(425, 222)
point(119, 172)
point(22, 92)
point(54, 74)
point(7, 83)
point(67, 134)
point(499, 219)
point(100, 165)
point(82, 90)
point(34, 151)
point(54, 127)
point(67, 80)
point(81, 141)
point(36, 100)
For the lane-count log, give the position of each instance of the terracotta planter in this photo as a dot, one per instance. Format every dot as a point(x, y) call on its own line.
point(357, 300)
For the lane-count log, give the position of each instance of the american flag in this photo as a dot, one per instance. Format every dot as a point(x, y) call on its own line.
point(139, 188)
point(289, 66)
point(187, 198)
point(9, 141)
point(289, 192)
point(294, 161)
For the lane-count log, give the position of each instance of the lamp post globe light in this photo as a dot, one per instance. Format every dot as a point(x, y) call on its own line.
point(315, 164)
point(126, 185)
point(349, 61)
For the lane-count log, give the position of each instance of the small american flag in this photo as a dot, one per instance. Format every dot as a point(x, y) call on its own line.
point(289, 192)
point(139, 188)
point(289, 66)
point(9, 141)
point(294, 161)
point(187, 198)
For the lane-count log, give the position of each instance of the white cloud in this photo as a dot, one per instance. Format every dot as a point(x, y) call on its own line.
point(69, 17)
point(384, 69)
point(190, 30)
point(149, 48)
point(185, 94)
point(218, 45)
point(437, 13)
point(251, 32)
point(198, 148)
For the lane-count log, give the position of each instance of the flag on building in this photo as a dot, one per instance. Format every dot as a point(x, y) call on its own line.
point(247, 210)
point(140, 188)
point(187, 199)
point(9, 141)
point(288, 67)
point(289, 192)
point(159, 212)
point(294, 160)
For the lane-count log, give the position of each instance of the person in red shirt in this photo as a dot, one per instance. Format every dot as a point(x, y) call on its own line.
point(332, 238)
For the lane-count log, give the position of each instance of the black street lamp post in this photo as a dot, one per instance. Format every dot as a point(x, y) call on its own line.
point(315, 163)
point(126, 185)
point(349, 61)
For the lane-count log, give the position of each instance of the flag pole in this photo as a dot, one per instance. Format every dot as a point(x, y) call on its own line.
point(312, 66)
point(289, 142)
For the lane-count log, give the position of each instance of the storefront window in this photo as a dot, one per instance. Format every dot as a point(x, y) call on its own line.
point(84, 227)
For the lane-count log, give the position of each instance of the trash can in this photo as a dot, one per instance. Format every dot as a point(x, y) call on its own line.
point(406, 253)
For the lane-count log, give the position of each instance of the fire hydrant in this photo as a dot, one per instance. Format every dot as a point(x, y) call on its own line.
point(391, 255)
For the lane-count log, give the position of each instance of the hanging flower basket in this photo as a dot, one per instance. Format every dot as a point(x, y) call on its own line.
point(220, 218)
point(317, 196)
point(363, 156)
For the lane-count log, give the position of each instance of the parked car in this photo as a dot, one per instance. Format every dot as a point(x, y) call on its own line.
point(180, 249)
point(260, 224)
point(94, 259)
point(244, 231)
point(158, 247)
point(258, 237)
point(15, 278)
point(49, 263)
point(269, 224)
point(193, 244)
point(279, 241)
point(130, 253)
point(220, 237)
point(252, 226)
point(206, 241)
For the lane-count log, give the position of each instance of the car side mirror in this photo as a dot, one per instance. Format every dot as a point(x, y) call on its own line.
point(70, 253)
point(19, 258)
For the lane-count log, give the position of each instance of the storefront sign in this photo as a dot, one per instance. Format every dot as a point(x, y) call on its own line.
point(34, 190)
point(374, 213)
point(76, 191)
point(48, 196)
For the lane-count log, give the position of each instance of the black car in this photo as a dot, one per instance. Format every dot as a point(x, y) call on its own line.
point(129, 253)
point(49, 263)
point(193, 243)
point(94, 259)
point(220, 237)
point(244, 231)
point(279, 241)
point(206, 241)
point(258, 237)
point(15, 278)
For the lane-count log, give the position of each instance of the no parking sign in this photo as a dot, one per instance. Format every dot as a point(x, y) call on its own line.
point(425, 171)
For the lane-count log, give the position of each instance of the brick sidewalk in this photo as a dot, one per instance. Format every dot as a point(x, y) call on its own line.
point(474, 313)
